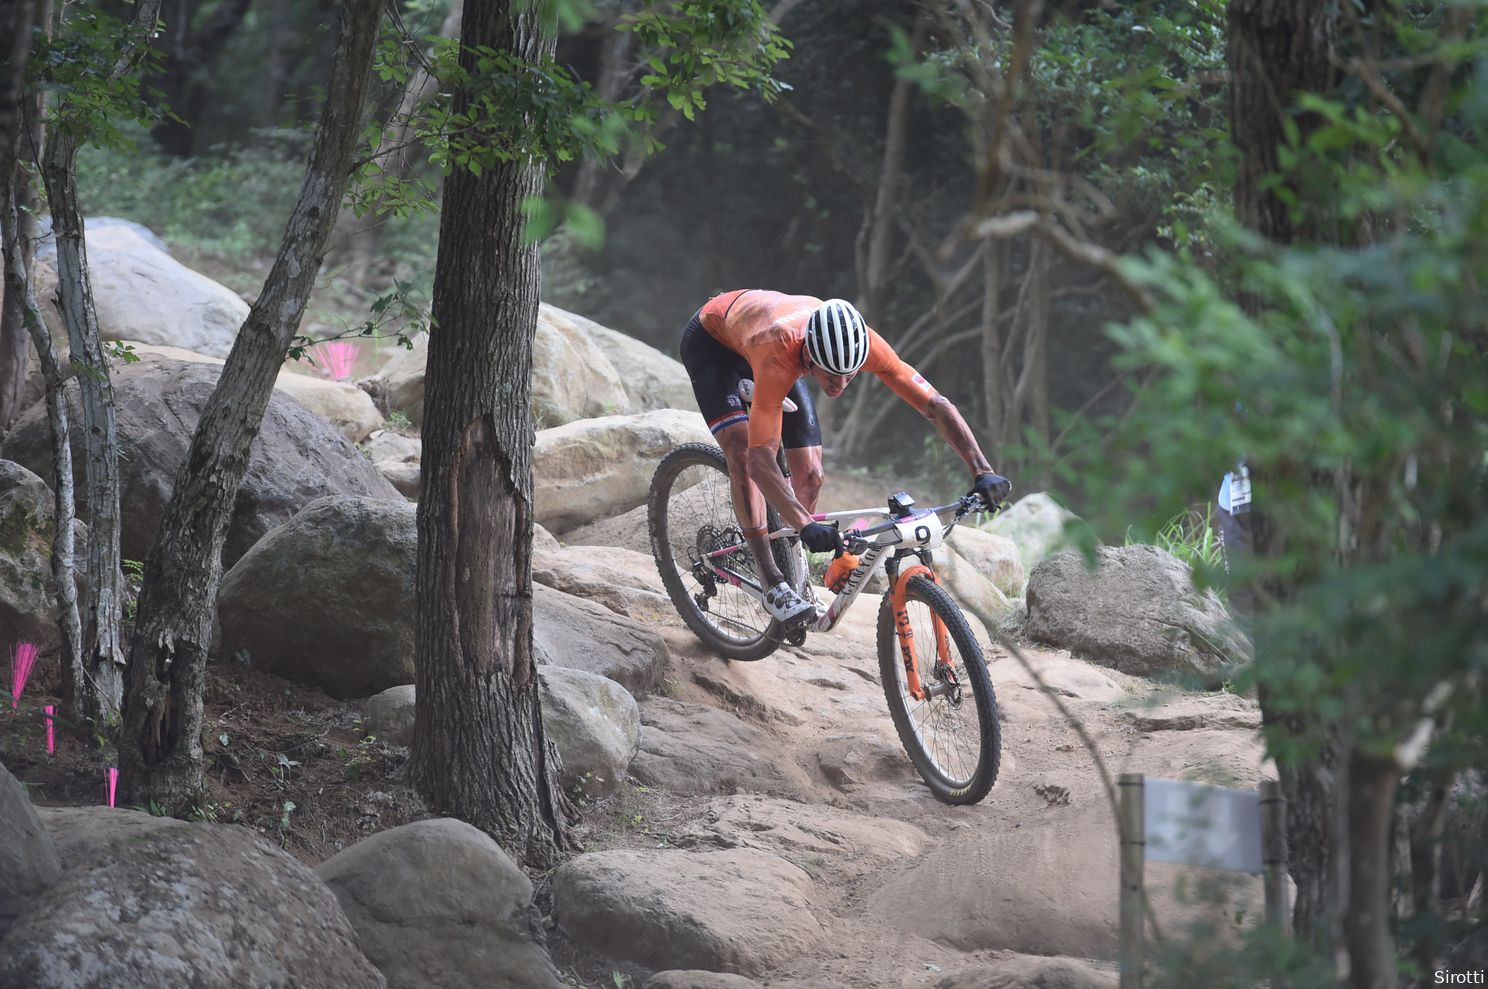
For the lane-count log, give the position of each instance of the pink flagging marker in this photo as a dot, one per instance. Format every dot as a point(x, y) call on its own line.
point(113, 782)
point(22, 658)
point(335, 358)
point(50, 710)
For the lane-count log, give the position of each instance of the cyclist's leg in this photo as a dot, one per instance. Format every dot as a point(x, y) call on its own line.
point(715, 372)
point(800, 434)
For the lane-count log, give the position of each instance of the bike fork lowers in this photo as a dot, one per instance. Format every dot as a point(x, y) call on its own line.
point(900, 603)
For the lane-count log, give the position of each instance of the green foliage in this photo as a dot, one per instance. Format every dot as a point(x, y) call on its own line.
point(94, 95)
point(1190, 536)
point(1361, 376)
point(695, 44)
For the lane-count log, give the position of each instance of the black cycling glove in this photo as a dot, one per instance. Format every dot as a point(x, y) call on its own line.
point(993, 489)
point(821, 538)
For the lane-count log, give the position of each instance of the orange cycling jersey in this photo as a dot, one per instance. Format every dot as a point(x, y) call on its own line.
point(768, 329)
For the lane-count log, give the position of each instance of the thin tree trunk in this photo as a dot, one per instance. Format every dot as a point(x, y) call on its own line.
point(1371, 805)
point(1036, 346)
point(479, 749)
point(18, 286)
point(16, 20)
point(102, 691)
point(160, 751)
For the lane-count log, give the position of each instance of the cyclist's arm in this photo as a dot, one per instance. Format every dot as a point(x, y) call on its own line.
point(911, 386)
point(764, 446)
point(953, 429)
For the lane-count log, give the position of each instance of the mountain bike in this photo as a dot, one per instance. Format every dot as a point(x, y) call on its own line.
point(932, 669)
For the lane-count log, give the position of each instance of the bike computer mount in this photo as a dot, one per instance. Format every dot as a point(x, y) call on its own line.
point(900, 504)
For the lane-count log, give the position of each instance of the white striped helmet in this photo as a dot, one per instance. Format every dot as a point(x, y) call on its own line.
point(837, 337)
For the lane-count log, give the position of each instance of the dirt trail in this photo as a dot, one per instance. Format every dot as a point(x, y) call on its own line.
point(1032, 869)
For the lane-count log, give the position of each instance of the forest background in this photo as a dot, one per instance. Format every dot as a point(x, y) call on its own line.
point(1133, 241)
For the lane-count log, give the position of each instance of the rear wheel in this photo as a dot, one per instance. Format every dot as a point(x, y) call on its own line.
point(951, 733)
point(691, 514)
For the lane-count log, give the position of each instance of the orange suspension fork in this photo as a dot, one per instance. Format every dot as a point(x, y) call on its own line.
point(900, 604)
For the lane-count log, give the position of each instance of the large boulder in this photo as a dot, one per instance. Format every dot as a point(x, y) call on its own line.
point(622, 580)
point(343, 405)
point(438, 905)
point(571, 376)
point(1037, 524)
point(742, 911)
point(209, 906)
point(1137, 612)
point(595, 724)
point(580, 370)
point(295, 458)
point(651, 379)
point(692, 748)
point(597, 468)
point(327, 598)
point(969, 585)
point(996, 557)
point(389, 715)
point(142, 293)
point(583, 635)
point(28, 860)
point(1031, 972)
point(630, 531)
point(28, 603)
point(84, 835)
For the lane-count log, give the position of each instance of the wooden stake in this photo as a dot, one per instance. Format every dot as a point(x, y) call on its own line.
point(1274, 855)
point(1133, 856)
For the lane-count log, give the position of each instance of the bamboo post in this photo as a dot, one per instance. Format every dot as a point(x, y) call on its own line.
point(1274, 855)
point(1133, 854)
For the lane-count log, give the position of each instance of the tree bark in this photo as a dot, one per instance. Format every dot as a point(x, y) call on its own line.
point(16, 20)
point(1276, 50)
point(192, 53)
point(1371, 805)
point(160, 751)
point(479, 749)
point(18, 286)
point(101, 692)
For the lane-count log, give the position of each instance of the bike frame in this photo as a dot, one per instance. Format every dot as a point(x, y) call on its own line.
point(901, 535)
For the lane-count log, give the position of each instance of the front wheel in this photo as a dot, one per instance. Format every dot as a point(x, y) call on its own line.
point(951, 731)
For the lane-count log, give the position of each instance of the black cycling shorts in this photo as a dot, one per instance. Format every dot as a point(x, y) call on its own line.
point(716, 372)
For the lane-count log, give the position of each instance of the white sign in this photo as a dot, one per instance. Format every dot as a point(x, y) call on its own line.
point(1199, 824)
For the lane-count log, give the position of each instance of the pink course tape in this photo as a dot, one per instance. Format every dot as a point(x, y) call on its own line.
point(113, 781)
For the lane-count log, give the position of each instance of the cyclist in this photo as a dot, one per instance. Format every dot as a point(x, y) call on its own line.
point(780, 340)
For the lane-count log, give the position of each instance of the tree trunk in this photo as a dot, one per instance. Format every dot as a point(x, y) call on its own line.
point(101, 692)
point(1276, 50)
point(16, 20)
point(479, 749)
point(18, 287)
point(160, 751)
point(192, 52)
point(1371, 804)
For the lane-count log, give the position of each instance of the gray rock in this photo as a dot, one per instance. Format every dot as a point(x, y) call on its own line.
point(1038, 525)
point(408, 478)
point(691, 748)
point(630, 531)
point(206, 906)
point(1137, 612)
point(28, 861)
point(296, 457)
point(28, 604)
point(741, 911)
point(328, 597)
point(438, 905)
point(582, 635)
point(1031, 972)
point(595, 724)
point(385, 444)
point(141, 293)
point(84, 835)
point(695, 979)
point(389, 715)
point(850, 759)
point(624, 581)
